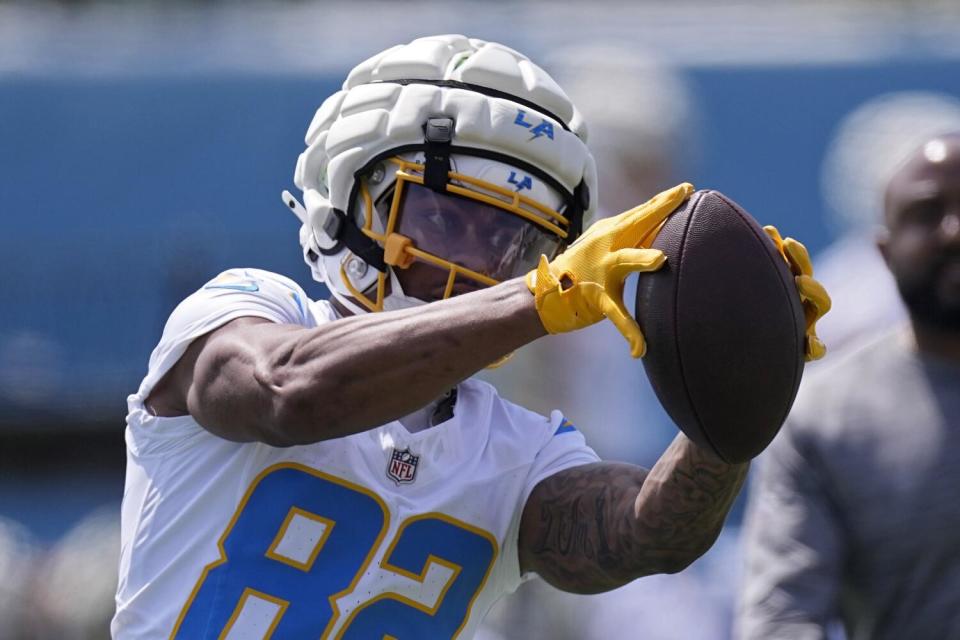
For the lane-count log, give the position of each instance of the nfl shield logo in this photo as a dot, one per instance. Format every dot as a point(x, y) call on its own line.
point(402, 467)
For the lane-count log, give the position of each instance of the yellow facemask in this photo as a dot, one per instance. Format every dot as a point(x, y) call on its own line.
point(479, 231)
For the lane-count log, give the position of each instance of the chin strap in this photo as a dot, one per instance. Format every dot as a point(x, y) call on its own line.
point(438, 136)
point(342, 228)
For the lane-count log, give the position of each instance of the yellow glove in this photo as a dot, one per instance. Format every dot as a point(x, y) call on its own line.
point(584, 284)
point(815, 299)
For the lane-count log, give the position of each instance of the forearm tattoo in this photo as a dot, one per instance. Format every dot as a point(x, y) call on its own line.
point(593, 528)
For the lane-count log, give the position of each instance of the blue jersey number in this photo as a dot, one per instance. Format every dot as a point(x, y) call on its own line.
point(301, 539)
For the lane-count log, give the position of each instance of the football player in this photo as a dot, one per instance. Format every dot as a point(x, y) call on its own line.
point(329, 469)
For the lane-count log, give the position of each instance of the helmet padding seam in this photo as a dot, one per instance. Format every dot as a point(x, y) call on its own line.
point(476, 88)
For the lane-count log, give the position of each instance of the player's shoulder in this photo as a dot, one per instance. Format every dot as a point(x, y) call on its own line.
point(501, 412)
point(232, 294)
point(242, 291)
point(841, 395)
point(248, 278)
point(510, 428)
point(851, 376)
point(237, 282)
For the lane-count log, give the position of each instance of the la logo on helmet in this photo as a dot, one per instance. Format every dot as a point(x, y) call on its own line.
point(526, 182)
point(543, 129)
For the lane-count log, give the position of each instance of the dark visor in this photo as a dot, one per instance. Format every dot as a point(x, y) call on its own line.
point(479, 236)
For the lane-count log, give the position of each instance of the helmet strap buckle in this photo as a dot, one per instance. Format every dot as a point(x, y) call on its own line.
point(438, 136)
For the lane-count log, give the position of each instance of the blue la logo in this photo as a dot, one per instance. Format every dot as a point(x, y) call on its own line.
point(545, 128)
point(525, 183)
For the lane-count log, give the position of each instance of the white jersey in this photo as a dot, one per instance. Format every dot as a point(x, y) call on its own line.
point(383, 534)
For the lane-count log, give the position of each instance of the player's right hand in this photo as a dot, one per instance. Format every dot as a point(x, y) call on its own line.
point(584, 284)
point(816, 301)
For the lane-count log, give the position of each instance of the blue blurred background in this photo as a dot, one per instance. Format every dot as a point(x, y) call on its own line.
point(143, 148)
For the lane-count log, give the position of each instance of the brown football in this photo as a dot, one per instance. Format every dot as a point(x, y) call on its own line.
point(724, 327)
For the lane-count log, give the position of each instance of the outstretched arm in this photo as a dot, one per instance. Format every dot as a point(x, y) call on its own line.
point(593, 528)
point(253, 380)
point(287, 385)
point(596, 527)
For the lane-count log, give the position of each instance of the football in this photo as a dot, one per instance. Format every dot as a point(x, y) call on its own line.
point(724, 327)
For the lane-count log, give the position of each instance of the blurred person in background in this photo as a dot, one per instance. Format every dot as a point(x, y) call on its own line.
point(77, 580)
point(317, 468)
point(867, 147)
point(19, 556)
point(855, 512)
point(641, 121)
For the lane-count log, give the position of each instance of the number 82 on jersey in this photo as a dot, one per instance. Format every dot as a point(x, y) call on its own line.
point(301, 540)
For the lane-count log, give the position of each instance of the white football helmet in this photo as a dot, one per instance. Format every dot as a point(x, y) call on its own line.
point(442, 166)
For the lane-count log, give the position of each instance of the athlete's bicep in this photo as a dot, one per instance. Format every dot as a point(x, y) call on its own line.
point(578, 527)
point(234, 390)
point(169, 397)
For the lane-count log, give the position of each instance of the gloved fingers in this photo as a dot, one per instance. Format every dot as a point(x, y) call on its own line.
point(599, 227)
point(614, 310)
point(627, 261)
point(814, 293)
point(541, 278)
point(798, 257)
point(665, 200)
point(774, 234)
point(816, 303)
point(793, 251)
point(670, 199)
point(814, 348)
point(635, 225)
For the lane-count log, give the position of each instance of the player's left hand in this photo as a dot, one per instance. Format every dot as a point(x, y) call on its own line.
point(815, 299)
point(584, 284)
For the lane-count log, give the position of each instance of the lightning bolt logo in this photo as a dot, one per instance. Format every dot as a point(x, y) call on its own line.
point(545, 128)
